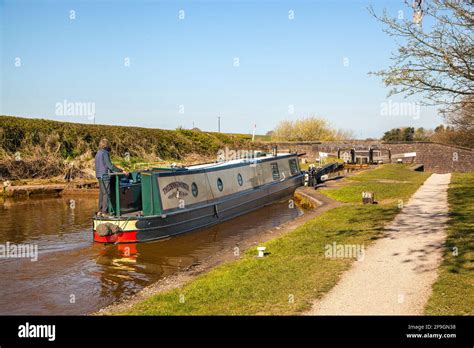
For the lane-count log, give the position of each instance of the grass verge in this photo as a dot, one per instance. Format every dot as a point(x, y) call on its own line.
point(296, 271)
point(453, 292)
point(389, 182)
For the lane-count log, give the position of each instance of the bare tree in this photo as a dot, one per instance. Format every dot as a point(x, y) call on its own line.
point(434, 58)
point(463, 117)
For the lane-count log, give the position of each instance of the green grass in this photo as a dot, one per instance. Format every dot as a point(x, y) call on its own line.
point(380, 182)
point(296, 268)
point(453, 292)
point(262, 137)
point(398, 172)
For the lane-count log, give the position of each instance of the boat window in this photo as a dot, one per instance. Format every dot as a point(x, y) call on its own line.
point(194, 189)
point(293, 166)
point(240, 180)
point(275, 171)
point(220, 185)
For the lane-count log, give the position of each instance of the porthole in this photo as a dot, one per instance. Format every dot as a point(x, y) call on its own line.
point(240, 180)
point(194, 189)
point(220, 185)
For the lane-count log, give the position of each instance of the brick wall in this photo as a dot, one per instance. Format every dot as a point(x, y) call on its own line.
point(437, 158)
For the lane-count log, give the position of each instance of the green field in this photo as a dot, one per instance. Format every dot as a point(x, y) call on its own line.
point(296, 271)
point(453, 292)
point(391, 182)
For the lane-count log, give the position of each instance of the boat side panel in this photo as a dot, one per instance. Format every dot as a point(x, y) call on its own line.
point(158, 227)
point(177, 190)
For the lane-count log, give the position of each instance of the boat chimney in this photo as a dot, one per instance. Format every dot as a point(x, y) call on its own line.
point(275, 150)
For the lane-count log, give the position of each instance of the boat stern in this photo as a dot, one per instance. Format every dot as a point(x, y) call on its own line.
point(114, 230)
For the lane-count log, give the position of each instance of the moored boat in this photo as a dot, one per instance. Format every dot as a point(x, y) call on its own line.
point(163, 202)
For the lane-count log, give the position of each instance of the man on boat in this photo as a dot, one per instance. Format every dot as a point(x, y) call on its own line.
point(103, 167)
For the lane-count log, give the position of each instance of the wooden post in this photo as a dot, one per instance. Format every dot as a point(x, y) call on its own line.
point(368, 197)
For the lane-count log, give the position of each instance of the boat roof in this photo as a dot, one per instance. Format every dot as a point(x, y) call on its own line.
point(237, 161)
point(229, 163)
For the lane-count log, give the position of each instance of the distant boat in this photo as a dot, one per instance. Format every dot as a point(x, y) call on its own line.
point(163, 202)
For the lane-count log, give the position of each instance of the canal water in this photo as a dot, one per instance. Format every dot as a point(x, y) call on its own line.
point(73, 275)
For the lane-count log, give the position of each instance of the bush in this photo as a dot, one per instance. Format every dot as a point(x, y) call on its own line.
point(308, 129)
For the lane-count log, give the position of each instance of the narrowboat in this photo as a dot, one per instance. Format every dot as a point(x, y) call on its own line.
point(162, 202)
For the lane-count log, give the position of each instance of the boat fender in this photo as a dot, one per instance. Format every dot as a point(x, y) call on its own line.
point(107, 229)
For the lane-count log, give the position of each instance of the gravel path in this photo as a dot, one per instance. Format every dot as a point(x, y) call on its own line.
point(397, 272)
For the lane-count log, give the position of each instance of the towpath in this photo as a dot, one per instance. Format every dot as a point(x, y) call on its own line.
point(397, 272)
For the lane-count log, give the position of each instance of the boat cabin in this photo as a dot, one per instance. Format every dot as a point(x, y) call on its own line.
point(160, 191)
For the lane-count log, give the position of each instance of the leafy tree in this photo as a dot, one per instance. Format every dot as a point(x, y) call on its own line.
point(392, 135)
point(399, 134)
point(408, 134)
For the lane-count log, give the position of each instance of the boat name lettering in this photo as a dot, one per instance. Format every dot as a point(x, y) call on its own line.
point(175, 185)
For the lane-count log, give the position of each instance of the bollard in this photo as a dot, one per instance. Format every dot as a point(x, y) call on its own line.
point(367, 197)
point(261, 251)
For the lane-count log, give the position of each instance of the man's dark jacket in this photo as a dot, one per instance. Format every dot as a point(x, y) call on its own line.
point(103, 165)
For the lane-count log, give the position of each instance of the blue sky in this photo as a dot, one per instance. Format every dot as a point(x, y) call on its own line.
point(182, 71)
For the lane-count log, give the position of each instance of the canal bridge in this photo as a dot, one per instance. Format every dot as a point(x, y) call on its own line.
point(436, 157)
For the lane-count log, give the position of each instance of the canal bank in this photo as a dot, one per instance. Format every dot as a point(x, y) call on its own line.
point(296, 269)
point(26, 189)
